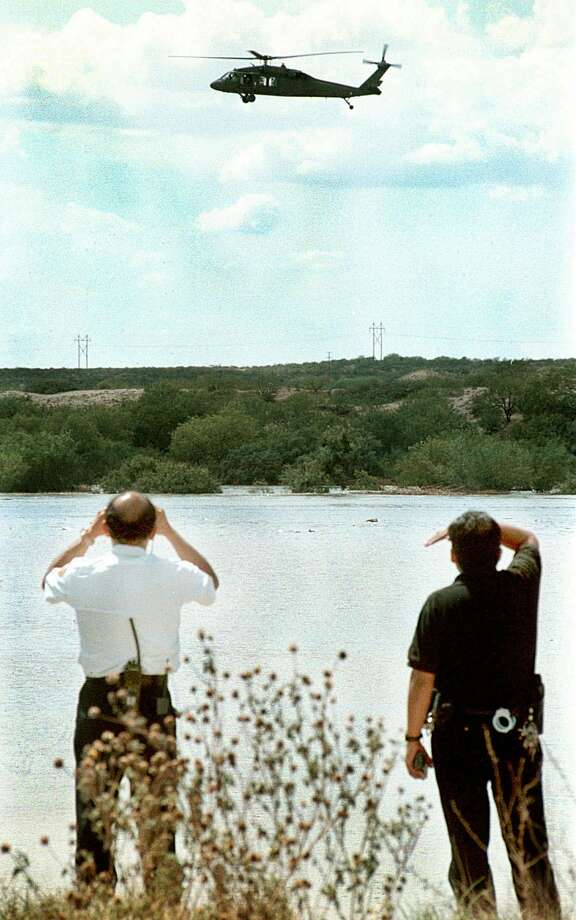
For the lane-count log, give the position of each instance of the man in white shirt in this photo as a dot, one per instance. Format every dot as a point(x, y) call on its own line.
point(127, 605)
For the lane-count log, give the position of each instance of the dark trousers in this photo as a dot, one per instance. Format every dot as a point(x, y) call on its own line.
point(93, 844)
point(467, 757)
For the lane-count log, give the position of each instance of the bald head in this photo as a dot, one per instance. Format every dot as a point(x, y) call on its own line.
point(130, 517)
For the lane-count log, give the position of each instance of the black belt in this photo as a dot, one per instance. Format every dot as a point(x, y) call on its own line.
point(159, 681)
point(480, 713)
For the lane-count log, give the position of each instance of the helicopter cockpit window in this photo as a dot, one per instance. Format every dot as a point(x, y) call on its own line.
point(246, 79)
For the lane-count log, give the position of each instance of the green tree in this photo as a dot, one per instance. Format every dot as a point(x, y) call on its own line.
point(13, 468)
point(208, 440)
point(502, 397)
point(552, 465)
point(130, 472)
point(159, 411)
point(342, 451)
point(426, 416)
point(469, 460)
point(160, 475)
point(306, 475)
point(46, 464)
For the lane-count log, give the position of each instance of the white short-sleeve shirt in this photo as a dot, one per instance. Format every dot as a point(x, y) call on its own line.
point(128, 583)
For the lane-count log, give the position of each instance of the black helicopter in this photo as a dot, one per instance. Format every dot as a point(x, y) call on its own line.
point(270, 80)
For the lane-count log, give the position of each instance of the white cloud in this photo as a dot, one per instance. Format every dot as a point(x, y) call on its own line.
point(318, 258)
point(100, 241)
point(463, 151)
point(288, 153)
point(153, 279)
point(98, 231)
point(462, 97)
point(153, 266)
point(512, 33)
point(10, 140)
point(250, 214)
point(520, 193)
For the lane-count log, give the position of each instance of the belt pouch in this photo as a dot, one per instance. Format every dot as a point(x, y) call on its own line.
point(132, 679)
point(537, 702)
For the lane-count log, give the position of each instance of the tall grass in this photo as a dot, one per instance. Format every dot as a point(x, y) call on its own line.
point(283, 811)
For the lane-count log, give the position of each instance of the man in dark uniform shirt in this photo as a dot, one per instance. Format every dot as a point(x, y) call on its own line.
point(475, 645)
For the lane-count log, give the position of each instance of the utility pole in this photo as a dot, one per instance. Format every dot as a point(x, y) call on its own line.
point(377, 338)
point(82, 349)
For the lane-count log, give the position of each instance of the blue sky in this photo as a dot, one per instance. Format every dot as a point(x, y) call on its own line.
point(175, 225)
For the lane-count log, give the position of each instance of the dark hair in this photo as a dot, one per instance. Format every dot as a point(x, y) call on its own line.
point(475, 538)
point(134, 526)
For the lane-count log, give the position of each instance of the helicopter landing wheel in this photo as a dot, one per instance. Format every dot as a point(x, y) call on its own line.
point(251, 98)
point(245, 98)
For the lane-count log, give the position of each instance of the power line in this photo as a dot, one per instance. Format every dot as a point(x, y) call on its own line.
point(377, 334)
point(82, 349)
point(82, 342)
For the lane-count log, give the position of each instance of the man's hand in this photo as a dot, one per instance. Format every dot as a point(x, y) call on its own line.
point(412, 749)
point(94, 530)
point(97, 528)
point(512, 537)
point(184, 550)
point(161, 527)
point(437, 537)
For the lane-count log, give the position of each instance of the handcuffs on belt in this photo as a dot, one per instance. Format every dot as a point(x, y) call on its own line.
point(503, 720)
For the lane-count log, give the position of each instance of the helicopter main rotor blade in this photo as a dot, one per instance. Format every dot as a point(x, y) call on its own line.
point(210, 57)
point(256, 55)
point(284, 57)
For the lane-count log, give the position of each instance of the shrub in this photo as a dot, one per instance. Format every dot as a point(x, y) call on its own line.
point(283, 811)
point(425, 417)
point(13, 469)
point(552, 464)
point(469, 460)
point(161, 408)
point(46, 462)
point(306, 475)
point(207, 440)
point(364, 481)
point(568, 487)
point(179, 478)
point(148, 473)
point(129, 473)
point(252, 463)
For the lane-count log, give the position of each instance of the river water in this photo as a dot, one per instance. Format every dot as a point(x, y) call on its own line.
point(310, 570)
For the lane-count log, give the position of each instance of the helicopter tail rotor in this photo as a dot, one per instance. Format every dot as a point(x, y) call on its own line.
point(383, 63)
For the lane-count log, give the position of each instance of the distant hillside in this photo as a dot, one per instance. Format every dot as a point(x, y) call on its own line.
point(75, 398)
point(404, 422)
point(358, 374)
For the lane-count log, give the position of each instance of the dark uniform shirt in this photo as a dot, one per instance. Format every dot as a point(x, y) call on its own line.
point(478, 635)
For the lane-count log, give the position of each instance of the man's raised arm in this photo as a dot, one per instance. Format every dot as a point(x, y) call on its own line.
point(184, 550)
point(511, 537)
point(80, 546)
point(515, 537)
